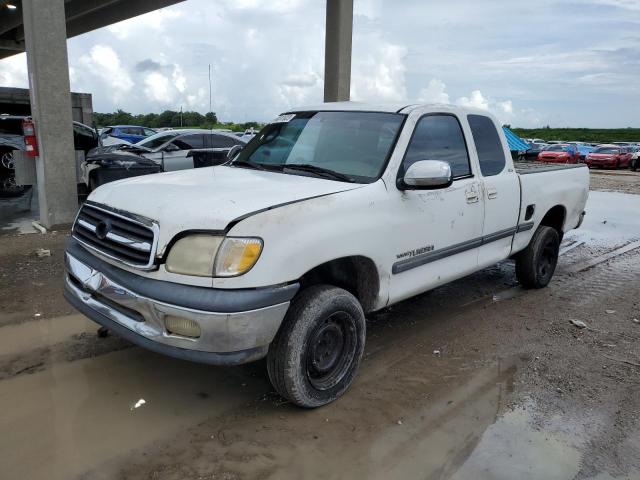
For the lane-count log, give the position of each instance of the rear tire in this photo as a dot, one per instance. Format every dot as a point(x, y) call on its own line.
point(536, 264)
point(316, 353)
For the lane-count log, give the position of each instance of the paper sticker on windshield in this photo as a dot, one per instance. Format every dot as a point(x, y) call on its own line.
point(284, 118)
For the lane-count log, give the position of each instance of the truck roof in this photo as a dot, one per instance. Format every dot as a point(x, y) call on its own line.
point(393, 107)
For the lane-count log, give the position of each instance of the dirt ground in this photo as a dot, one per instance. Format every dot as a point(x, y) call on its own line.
point(478, 379)
point(616, 181)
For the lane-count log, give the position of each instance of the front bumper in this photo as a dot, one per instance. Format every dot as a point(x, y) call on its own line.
point(601, 163)
point(236, 325)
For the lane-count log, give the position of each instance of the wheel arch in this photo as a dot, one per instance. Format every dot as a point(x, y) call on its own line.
point(356, 274)
point(555, 218)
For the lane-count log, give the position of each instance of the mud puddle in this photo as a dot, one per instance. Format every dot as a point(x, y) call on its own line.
point(514, 447)
point(63, 421)
point(423, 422)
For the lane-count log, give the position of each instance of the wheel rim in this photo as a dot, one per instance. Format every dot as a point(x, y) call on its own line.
point(548, 259)
point(331, 349)
point(7, 161)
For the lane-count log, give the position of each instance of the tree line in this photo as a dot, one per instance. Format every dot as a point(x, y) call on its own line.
point(168, 118)
point(591, 135)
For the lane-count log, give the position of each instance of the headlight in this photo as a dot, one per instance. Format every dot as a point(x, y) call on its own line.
point(205, 255)
point(236, 256)
point(194, 255)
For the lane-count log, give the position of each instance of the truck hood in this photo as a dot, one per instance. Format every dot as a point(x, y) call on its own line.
point(209, 198)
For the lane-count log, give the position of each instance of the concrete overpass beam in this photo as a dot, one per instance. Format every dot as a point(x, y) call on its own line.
point(337, 55)
point(46, 46)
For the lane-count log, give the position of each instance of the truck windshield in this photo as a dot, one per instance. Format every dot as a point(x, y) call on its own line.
point(345, 146)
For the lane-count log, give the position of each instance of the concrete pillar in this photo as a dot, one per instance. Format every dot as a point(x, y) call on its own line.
point(337, 50)
point(46, 46)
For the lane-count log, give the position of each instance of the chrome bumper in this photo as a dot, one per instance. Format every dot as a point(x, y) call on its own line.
point(100, 298)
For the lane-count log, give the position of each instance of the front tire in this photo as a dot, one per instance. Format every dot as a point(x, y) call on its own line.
point(316, 353)
point(536, 264)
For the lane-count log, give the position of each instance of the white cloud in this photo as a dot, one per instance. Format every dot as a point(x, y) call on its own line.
point(279, 6)
point(505, 107)
point(434, 92)
point(13, 72)
point(157, 88)
point(102, 67)
point(156, 20)
point(179, 80)
point(370, 9)
point(475, 100)
point(309, 79)
point(380, 75)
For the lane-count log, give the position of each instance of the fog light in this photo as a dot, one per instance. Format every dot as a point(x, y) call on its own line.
point(181, 326)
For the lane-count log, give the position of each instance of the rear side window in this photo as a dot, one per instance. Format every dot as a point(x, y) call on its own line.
point(439, 137)
point(189, 142)
point(488, 145)
point(222, 141)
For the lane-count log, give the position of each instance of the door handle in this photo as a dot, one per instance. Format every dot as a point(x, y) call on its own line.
point(472, 196)
point(492, 193)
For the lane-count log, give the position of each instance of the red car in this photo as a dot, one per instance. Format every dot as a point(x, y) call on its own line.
point(609, 156)
point(560, 153)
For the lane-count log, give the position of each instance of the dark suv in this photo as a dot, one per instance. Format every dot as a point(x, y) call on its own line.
point(84, 138)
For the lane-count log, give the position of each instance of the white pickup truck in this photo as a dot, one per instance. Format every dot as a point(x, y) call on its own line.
point(329, 213)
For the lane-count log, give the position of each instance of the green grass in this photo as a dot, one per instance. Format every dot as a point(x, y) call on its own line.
point(595, 135)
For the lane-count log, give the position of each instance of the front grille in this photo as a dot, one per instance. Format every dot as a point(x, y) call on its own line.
point(115, 236)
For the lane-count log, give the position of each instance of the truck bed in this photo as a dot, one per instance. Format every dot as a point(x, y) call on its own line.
point(524, 168)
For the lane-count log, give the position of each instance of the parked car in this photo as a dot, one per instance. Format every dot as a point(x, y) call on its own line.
point(128, 133)
point(609, 156)
point(163, 152)
point(85, 138)
point(534, 150)
point(634, 163)
point(282, 252)
point(560, 153)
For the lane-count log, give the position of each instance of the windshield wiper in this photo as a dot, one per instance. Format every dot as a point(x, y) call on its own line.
point(248, 164)
point(323, 172)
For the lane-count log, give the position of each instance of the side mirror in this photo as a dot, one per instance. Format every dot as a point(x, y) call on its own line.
point(171, 148)
point(427, 175)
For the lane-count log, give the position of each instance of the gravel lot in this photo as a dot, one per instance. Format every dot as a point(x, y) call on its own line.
point(475, 380)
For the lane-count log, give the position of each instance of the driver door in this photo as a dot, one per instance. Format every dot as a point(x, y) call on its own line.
point(437, 233)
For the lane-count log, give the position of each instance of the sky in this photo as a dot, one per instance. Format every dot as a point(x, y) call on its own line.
point(563, 63)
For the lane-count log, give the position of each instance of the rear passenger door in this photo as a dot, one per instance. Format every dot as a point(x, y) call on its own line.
point(500, 189)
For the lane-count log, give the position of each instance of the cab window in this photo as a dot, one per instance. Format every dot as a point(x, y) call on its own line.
point(439, 137)
point(488, 145)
